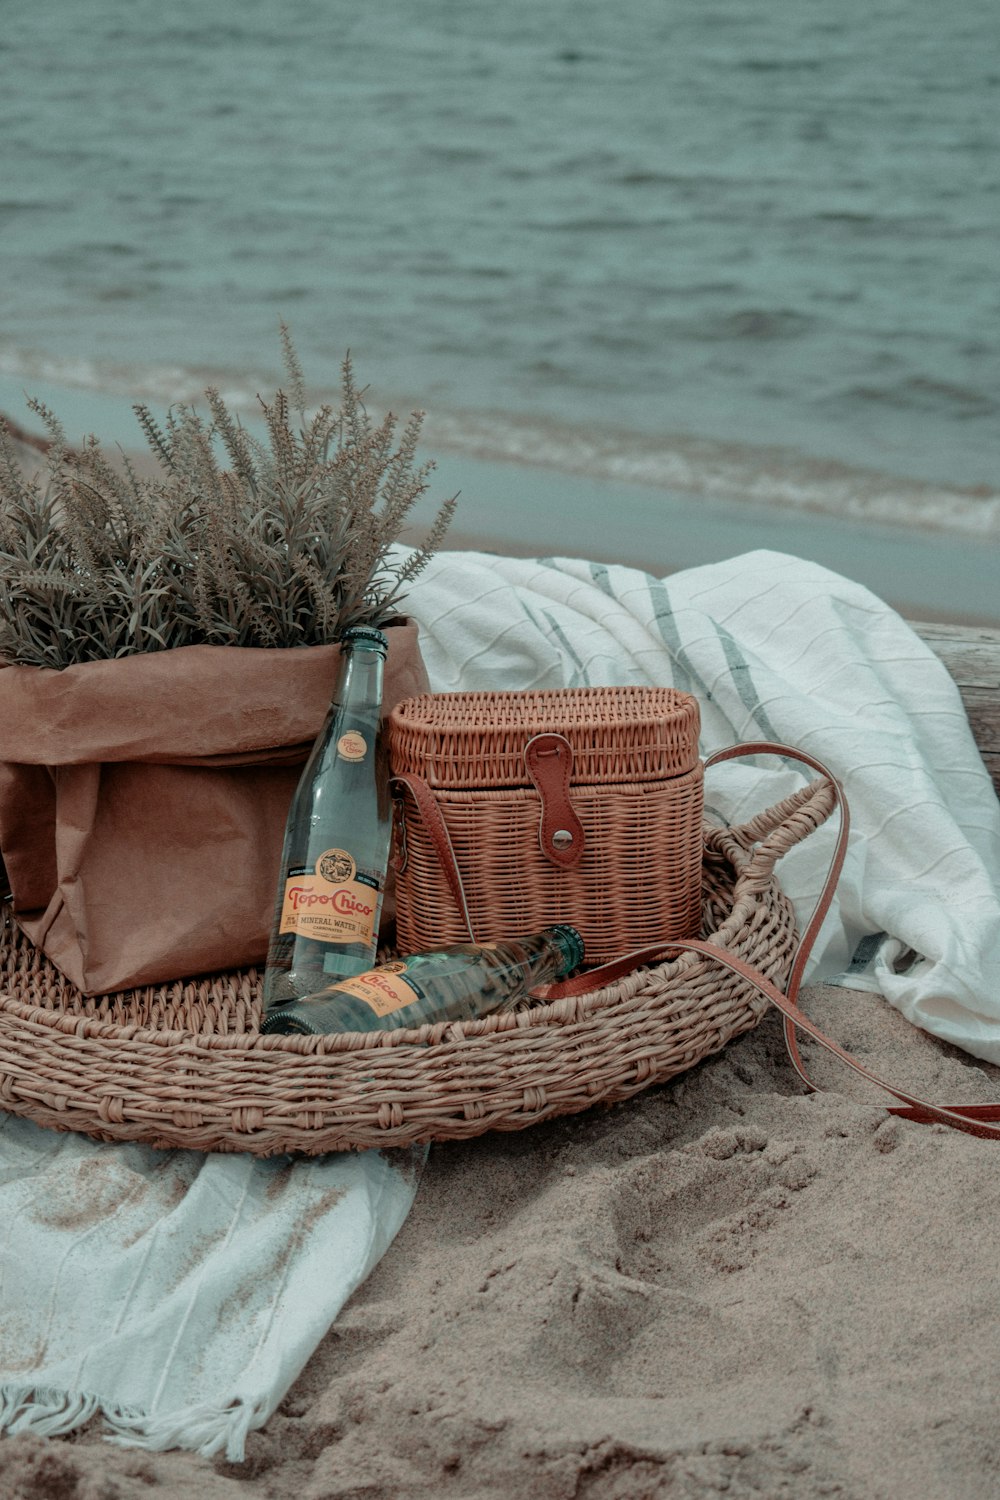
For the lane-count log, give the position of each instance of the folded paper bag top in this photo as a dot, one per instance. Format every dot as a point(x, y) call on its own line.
point(143, 800)
point(169, 706)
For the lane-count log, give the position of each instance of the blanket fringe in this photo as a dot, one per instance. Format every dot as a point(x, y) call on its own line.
point(43, 1412)
point(208, 1430)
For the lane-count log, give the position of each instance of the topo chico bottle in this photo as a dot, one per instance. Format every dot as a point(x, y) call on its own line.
point(453, 984)
point(336, 845)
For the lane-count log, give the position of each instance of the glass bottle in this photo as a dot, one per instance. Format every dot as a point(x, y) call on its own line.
point(453, 984)
point(336, 845)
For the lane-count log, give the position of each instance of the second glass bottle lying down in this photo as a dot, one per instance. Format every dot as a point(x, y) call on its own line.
point(454, 984)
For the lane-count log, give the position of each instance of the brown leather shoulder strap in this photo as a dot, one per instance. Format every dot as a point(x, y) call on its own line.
point(972, 1118)
point(967, 1117)
point(437, 828)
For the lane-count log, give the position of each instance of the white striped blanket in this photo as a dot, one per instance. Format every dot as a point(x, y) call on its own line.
point(779, 649)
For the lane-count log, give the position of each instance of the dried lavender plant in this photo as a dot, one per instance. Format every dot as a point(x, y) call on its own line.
point(238, 541)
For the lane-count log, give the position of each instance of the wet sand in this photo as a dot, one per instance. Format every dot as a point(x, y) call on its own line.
point(530, 511)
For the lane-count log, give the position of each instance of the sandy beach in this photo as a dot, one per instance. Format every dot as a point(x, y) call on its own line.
point(722, 1287)
point(674, 285)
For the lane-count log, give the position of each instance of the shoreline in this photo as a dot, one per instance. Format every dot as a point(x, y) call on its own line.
point(925, 575)
point(528, 509)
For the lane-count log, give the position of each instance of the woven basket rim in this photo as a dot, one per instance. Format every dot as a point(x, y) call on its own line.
point(239, 1091)
point(540, 1015)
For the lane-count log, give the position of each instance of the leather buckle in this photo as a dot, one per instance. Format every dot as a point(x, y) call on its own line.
point(548, 759)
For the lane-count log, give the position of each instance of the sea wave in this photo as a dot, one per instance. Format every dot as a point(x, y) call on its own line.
point(731, 472)
point(676, 463)
point(165, 385)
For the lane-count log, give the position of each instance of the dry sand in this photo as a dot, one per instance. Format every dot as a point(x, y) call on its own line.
point(722, 1287)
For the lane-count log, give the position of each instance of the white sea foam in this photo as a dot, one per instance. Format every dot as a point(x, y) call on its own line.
point(676, 463)
point(166, 385)
point(682, 462)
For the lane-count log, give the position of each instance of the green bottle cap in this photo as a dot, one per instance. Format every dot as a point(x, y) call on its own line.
point(366, 635)
point(571, 944)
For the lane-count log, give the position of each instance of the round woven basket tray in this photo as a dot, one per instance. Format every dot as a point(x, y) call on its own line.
point(184, 1065)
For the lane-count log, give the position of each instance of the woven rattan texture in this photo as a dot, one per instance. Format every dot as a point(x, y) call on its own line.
point(638, 881)
point(184, 1066)
point(478, 739)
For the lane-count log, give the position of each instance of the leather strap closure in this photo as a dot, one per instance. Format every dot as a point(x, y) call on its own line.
point(548, 759)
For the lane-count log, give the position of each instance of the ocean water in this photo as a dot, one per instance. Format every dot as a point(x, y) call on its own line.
point(742, 252)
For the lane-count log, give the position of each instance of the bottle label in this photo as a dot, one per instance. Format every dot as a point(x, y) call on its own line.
point(385, 989)
point(352, 746)
point(333, 903)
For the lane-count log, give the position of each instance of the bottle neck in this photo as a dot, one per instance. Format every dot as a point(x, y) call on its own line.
point(552, 954)
point(359, 687)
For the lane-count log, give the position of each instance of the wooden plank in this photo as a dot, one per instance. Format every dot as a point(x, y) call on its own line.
point(972, 656)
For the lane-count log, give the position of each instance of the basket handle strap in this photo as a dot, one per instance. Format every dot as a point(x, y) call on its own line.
point(440, 837)
point(974, 1119)
point(781, 839)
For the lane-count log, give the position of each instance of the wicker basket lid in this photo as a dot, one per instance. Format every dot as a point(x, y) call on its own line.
point(625, 734)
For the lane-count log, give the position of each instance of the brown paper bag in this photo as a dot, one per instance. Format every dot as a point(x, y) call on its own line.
point(143, 801)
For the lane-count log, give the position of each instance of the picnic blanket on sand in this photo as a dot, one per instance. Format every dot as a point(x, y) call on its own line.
point(180, 1295)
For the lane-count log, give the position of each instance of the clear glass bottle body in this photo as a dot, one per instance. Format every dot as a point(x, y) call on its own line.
point(453, 984)
point(336, 844)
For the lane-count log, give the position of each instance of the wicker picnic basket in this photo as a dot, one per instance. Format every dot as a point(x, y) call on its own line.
point(184, 1065)
point(517, 809)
